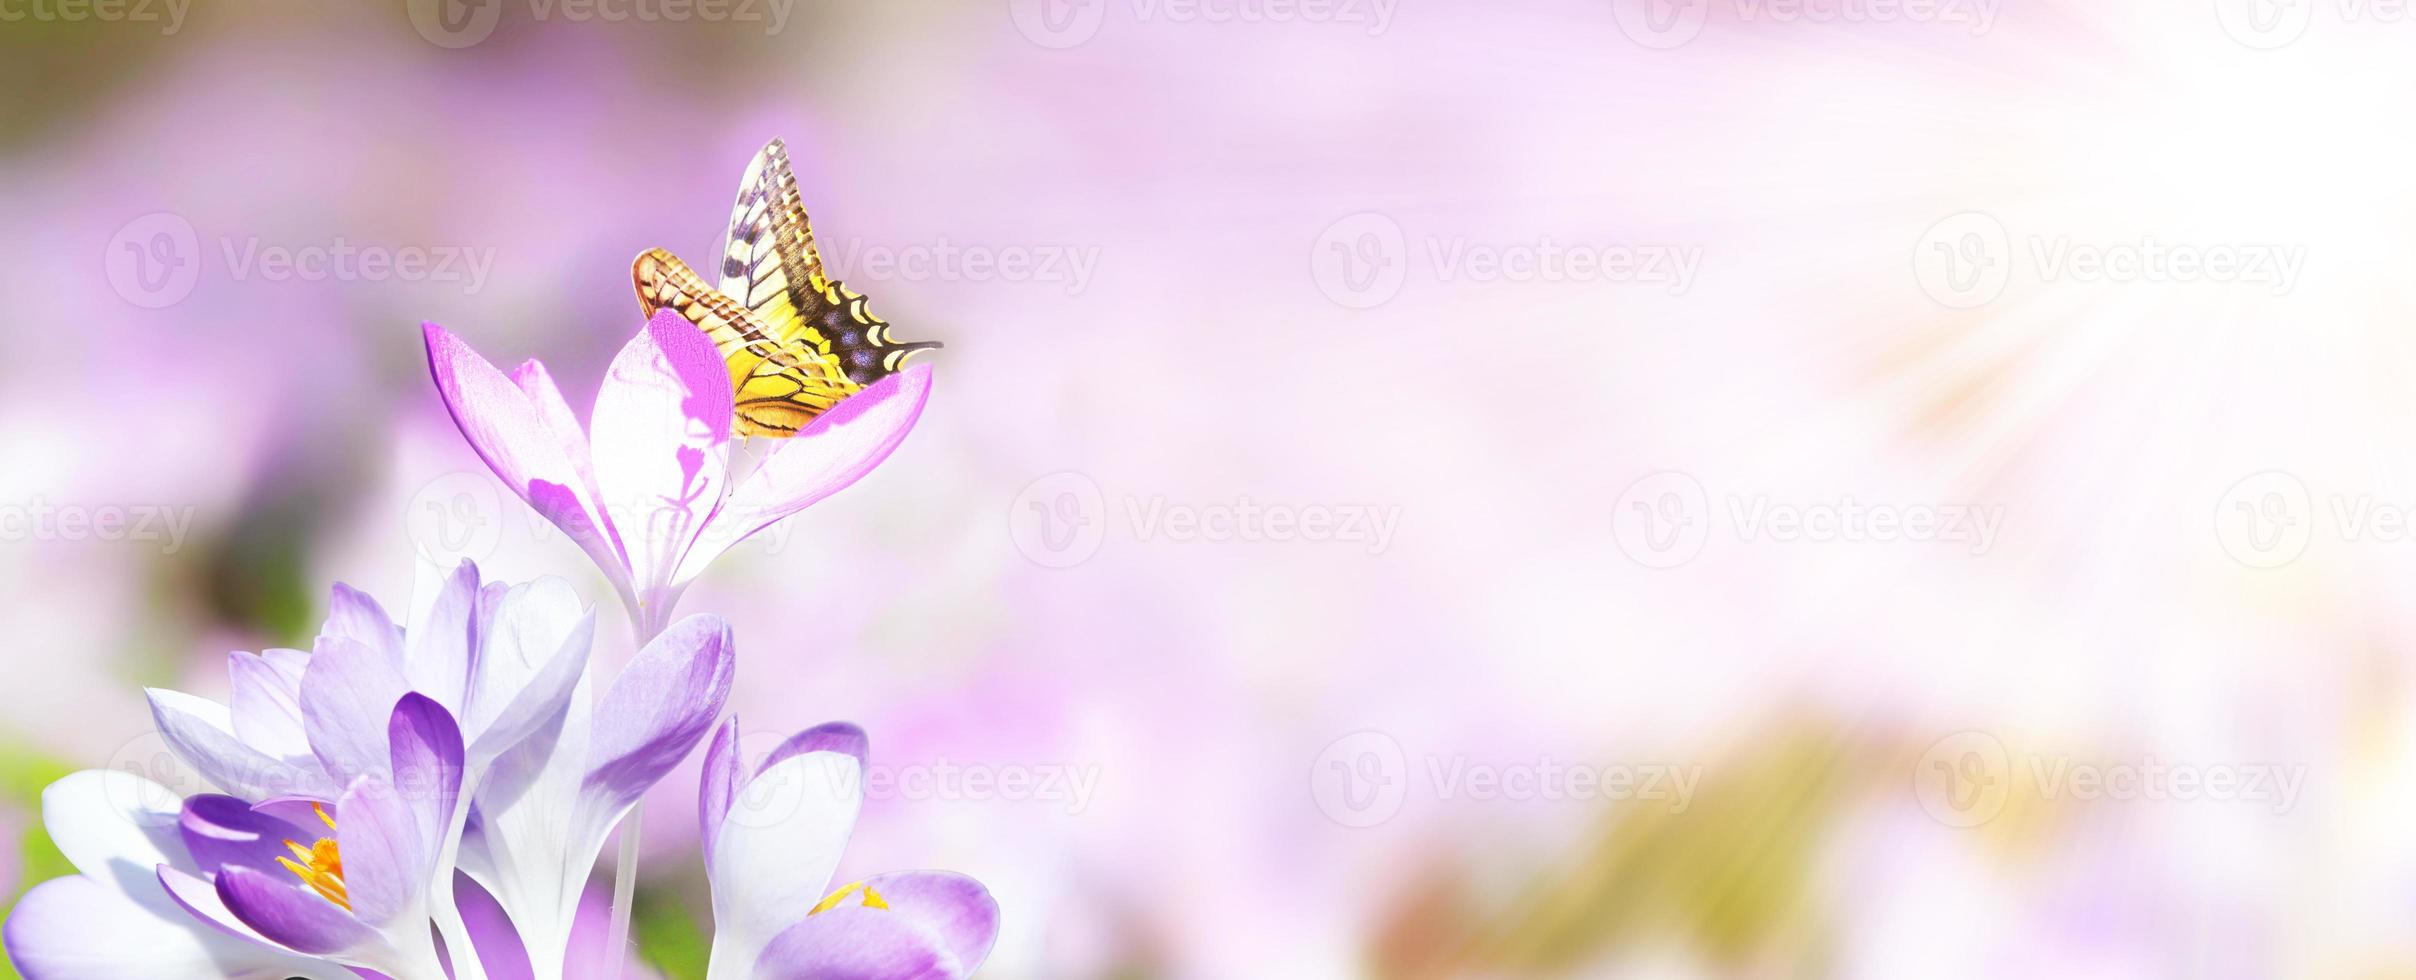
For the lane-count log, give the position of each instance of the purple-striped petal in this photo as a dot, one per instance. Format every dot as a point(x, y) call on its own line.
point(266, 706)
point(827, 456)
point(659, 708)
point(555, 412)
point(518, 442)
point(719, 785)
point(202, 733)
point(295, 917)
point(954, 906)
point(531, 665)
point(857, 943)
point(222, 830)
point(427, 766)
point(353, 615)
point(778, 846)
point(843, 737)
point(198, 896)
point(436, 657)
point(385, 852)
point(347, 697)
point(76, 928)
point(660, 439)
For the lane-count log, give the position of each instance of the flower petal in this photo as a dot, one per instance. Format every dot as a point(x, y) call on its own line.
point(660, 435)
point(353, 615)
point(202, 732)
point(427, 769)
point(843, 737)
point(857, 943)
point(777, 848)
point(348, 696)
point(952, 905)
point(718, 785)
point(266, 706)
point(296, 917)
point(436, 657)
point(116, 827)
point(554, 411)
point(658, 709)
point(839, 448)
point(198, 896)
point(518, 442)
point(384, 855)
point(76, 928)
point(222, 830)
point(530, 664)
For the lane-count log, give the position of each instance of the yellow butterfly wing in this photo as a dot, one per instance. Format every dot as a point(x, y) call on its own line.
point(780, 384)
point(770, 264)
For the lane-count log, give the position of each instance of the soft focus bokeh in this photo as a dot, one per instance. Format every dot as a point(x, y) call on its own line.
point(1579, 488)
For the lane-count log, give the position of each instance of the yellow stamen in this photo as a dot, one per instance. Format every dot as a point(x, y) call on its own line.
point(321, 865)
point(872, 899)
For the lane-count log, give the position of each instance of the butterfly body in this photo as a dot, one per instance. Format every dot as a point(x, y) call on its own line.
point(796, 341)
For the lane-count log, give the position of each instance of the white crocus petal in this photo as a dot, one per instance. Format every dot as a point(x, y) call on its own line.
point(115, 919)
point(537, 650)
point(117, 827)
point(76, 928)
point(661, 445)
point(533, 850)
point(776, 852)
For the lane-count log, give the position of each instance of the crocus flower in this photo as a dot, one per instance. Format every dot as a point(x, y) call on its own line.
point(646, 489)
point(549, 804)
point(364, 893)
point(127, 836)
point(772, 841)
point(504, 659)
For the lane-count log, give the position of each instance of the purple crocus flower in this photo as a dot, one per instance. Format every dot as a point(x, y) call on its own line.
point(364, 896)
point(116, 917)
point(647, 489)
point(772, 841)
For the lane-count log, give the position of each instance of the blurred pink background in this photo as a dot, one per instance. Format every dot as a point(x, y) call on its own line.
point(1589, 488)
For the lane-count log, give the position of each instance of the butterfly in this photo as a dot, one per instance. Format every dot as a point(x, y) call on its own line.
point(796, 341)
